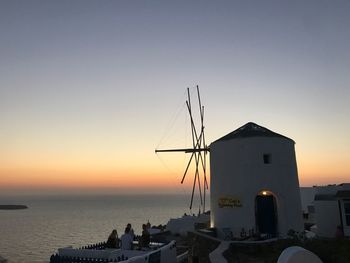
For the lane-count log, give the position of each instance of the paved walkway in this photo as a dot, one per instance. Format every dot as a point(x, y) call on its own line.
point(216, 255)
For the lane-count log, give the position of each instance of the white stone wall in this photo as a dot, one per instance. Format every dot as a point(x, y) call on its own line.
point(327, 217)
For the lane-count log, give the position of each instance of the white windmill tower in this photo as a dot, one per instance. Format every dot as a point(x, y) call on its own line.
point(254, 183)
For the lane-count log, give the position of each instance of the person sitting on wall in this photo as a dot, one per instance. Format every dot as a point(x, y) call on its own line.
point(113, 241)
point(145, 237)
point(126, 240)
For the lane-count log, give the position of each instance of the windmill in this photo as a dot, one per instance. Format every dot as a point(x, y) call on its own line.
point(198, 152)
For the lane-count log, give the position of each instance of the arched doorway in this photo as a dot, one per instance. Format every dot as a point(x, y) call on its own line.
point(266, 213)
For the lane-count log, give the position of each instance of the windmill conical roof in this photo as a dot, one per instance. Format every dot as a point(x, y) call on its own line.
point(251, 129)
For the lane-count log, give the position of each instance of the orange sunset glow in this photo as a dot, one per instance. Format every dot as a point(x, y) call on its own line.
point(112, 172)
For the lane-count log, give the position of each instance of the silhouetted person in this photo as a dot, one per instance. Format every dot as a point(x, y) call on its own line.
point(126, 240)
point(131, 232)
point(148, 225)
point(113, 241)
point(145, 237)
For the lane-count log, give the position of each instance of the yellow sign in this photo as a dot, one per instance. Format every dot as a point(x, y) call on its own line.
point(229, 201)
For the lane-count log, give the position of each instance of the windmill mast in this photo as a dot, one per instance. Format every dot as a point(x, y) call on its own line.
point(198, 151)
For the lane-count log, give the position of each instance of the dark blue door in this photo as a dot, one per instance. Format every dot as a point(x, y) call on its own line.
point(266, 216)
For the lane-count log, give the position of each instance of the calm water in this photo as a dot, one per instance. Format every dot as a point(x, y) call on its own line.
point(33, 234)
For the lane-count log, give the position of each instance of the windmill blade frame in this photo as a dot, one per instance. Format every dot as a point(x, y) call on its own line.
point(198, 146)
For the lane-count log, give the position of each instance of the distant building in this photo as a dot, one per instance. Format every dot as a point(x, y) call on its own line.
point(254, 183)
point(307, 195)
point(332, 210)
point(187, 223)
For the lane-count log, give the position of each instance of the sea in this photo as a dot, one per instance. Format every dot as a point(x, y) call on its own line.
point(56, 221)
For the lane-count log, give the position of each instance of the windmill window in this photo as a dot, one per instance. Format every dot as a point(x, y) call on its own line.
point(267, 158)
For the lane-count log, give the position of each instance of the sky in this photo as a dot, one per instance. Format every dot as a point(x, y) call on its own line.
point(88, 89)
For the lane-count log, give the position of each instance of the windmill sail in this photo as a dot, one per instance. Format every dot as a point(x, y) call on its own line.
point(198, 152)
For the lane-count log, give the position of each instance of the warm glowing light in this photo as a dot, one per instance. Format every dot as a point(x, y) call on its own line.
point(264, 193)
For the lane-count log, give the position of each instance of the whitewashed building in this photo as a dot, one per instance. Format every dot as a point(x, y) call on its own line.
point(254, 183)
point(332, 210)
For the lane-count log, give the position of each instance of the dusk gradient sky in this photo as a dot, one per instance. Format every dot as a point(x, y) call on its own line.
point(88, 89)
